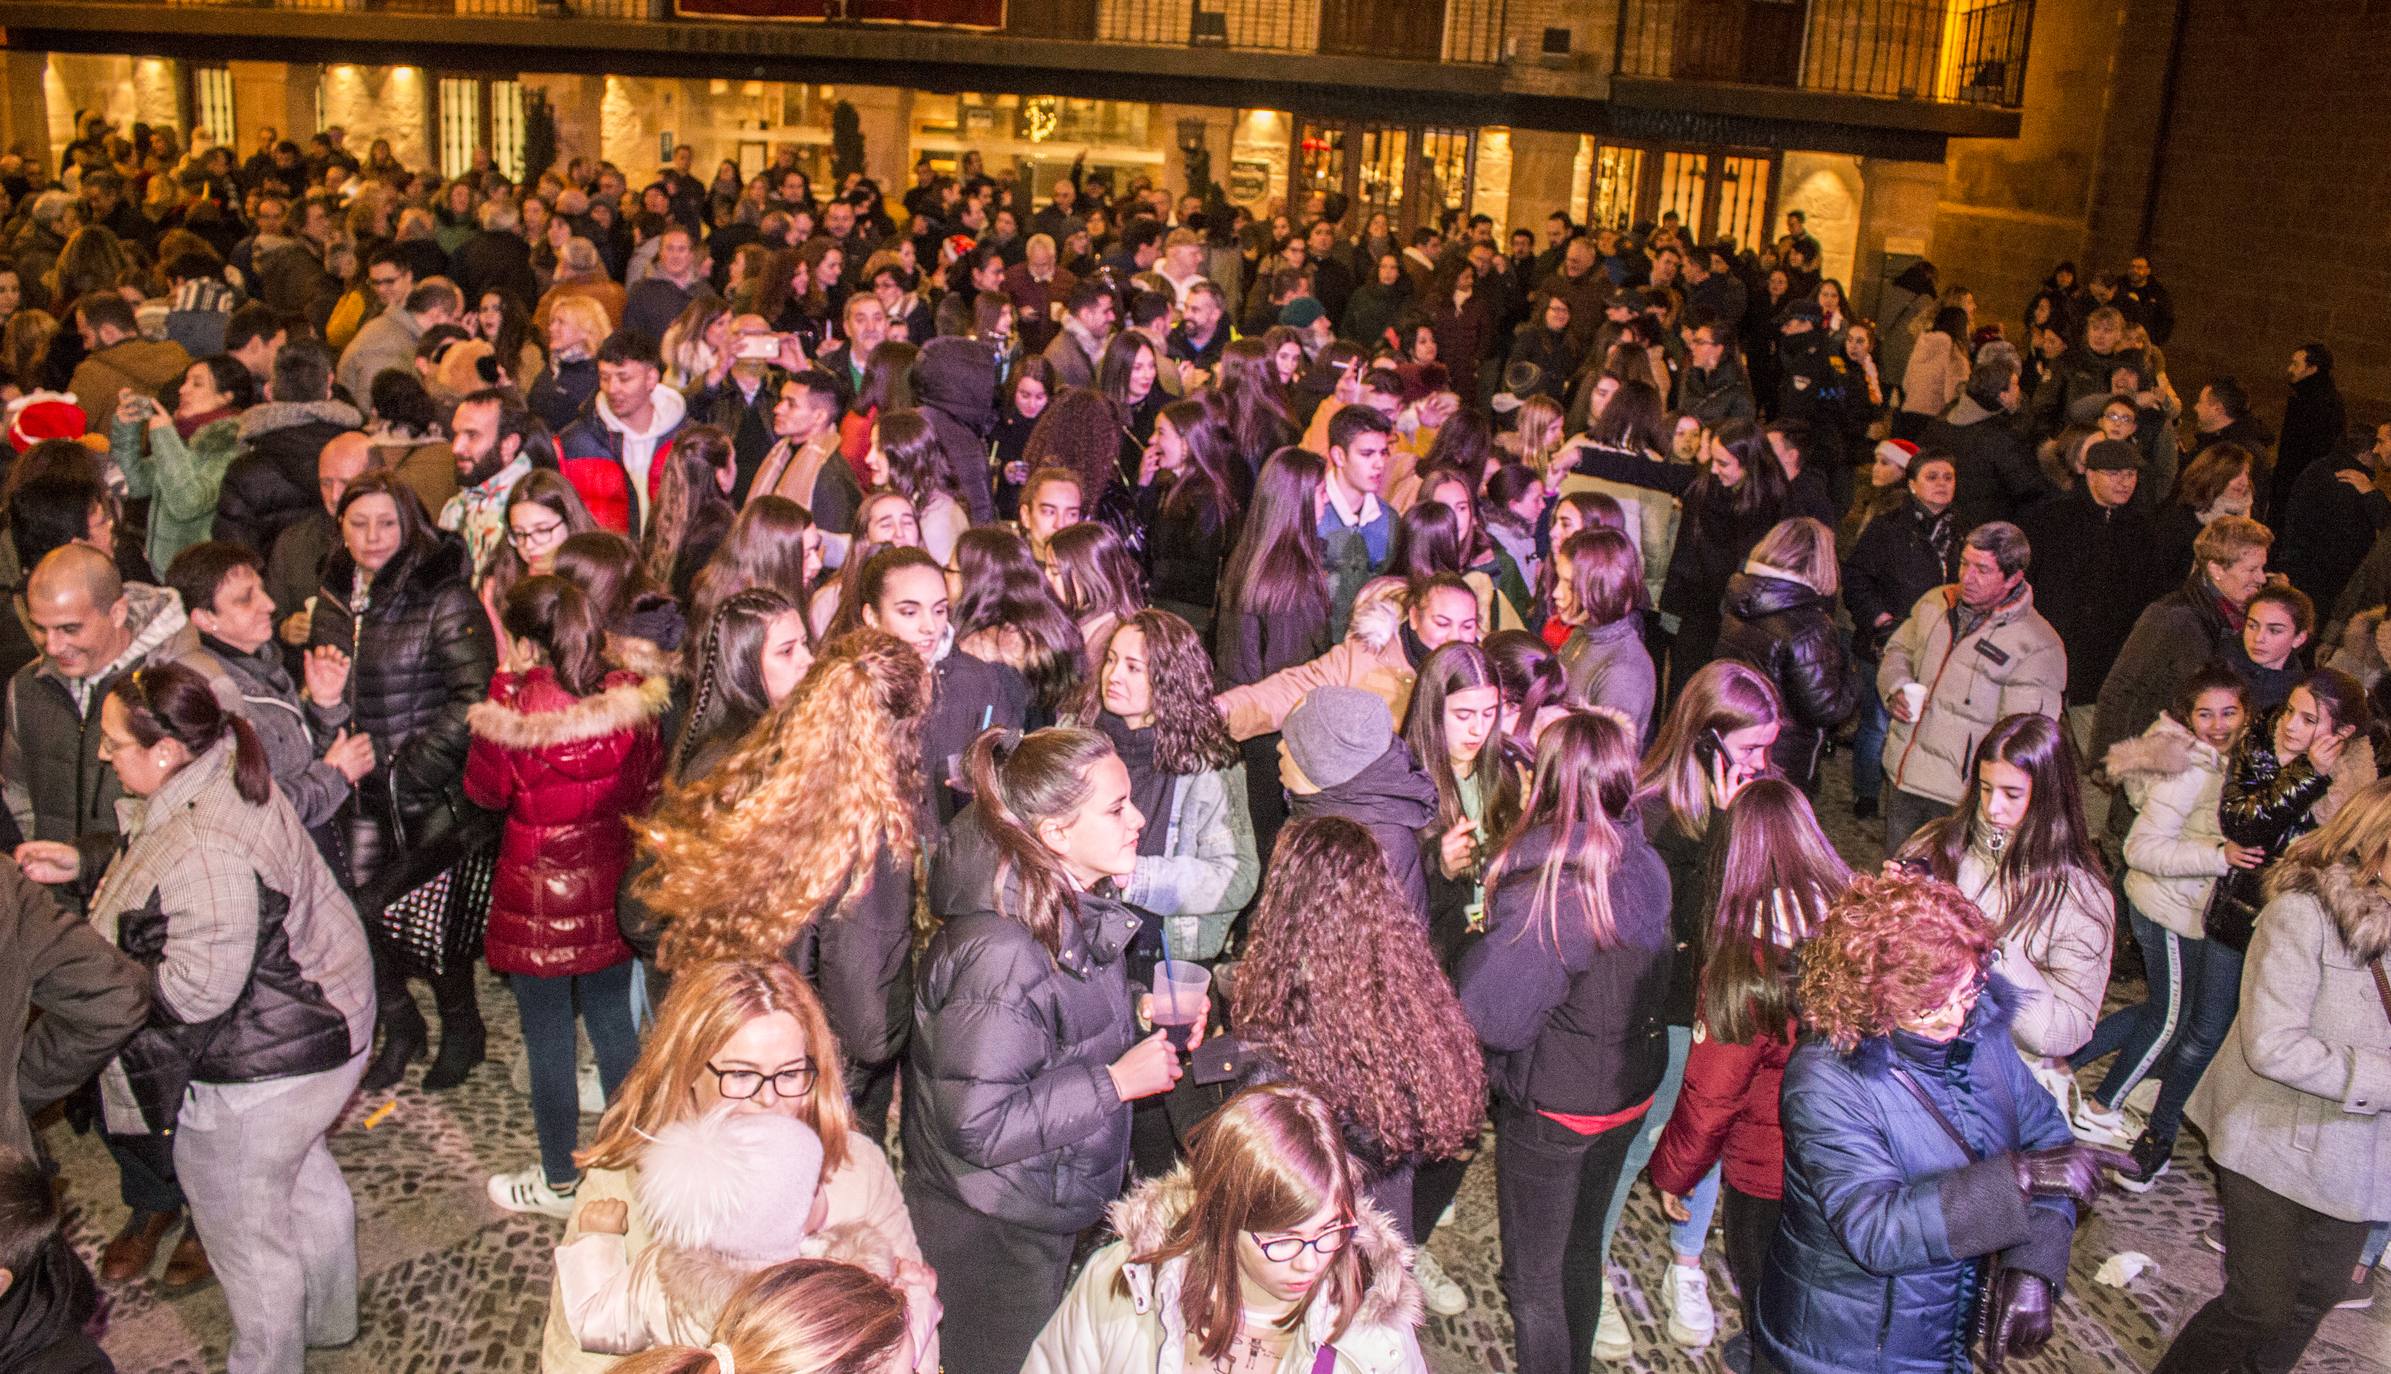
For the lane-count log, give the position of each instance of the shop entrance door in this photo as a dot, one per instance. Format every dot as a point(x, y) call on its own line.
point(1412, 173)
point(1717, 192)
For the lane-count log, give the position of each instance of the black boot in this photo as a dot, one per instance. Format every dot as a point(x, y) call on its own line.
point(403, 1038)
point(462, 1040)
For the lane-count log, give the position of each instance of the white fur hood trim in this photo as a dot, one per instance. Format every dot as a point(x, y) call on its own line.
point(625, 706)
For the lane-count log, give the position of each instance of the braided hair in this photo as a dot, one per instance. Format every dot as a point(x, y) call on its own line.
point(726, 693)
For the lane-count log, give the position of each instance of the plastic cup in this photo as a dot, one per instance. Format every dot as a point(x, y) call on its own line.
point(1182, 996)
point(1915, 694)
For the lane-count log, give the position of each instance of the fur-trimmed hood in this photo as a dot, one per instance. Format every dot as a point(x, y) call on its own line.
point(2165, 750)
point(270, 416)
point(532, 711)
point(2360, 912)
point(1390, 1295)
point(1377, 613)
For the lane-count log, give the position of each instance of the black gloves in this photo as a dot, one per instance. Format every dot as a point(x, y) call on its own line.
point(2070, 1171)
point(2020, 1317)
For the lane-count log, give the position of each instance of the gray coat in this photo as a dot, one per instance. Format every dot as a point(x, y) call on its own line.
point(271, 702)
point(1608, 665)
point(1208, 867)
point(2296, 1101)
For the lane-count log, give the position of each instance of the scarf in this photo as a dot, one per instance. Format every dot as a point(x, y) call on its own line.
point(188, 426)
point(2228, 612)
point(1150, 789)
point(1937, 530)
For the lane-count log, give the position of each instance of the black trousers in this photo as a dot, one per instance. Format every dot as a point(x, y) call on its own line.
point(997, 1281)
point(2285, 1267)
point(1749, 1223)
point(1552, 1187)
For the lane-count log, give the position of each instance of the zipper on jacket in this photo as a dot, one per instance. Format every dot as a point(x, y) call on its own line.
point(1884, 1322)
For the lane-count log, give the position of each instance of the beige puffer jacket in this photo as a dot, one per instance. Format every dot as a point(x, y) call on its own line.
point(2011, 664)
point(2175, 853)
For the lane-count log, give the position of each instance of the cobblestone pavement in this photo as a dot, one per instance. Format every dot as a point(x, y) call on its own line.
point(451, 1285)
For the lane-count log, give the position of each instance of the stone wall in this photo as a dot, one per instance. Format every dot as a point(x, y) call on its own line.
point(380, 102)
point(128, 90)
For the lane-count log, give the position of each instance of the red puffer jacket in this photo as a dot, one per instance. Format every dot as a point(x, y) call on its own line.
point(1728, 1106)
point(567, 771)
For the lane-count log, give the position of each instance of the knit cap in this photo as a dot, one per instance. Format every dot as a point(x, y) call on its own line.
point(1300, 312)
point(1336, 732)
point(740, 1184)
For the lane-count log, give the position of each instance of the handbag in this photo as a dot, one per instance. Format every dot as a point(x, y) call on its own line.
point(438, 924)
point(2229, 919)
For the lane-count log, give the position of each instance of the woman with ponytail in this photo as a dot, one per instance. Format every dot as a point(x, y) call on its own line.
point(1566, 993)
point(261, 1006)
point(1025, 1052)
point(800, 844)
point(565, 749)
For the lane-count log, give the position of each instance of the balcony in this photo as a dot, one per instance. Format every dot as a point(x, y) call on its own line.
point(1963, 52)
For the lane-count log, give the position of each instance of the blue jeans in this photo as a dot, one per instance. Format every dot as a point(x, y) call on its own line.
point(1685, 1237)
point(2212, 993)
point(1868, 747)
point(2143, 1035)
point(546, 1005)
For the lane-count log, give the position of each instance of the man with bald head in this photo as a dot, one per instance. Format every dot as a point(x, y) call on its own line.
point(295, 565)
point(92, 628)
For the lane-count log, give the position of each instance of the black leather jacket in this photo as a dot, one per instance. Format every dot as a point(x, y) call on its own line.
point(1787, 631)
point(2267, 803)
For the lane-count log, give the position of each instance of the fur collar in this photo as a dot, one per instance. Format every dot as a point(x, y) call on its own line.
point(507, 720)
point(2165, 750)
point(1390, 1298)
point(270, 416)
point(2360, 912)
point(1377, 613)
point(2353, 772)
point(640, 655)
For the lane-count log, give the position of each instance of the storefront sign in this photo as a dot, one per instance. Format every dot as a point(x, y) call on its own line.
point(1249, 180)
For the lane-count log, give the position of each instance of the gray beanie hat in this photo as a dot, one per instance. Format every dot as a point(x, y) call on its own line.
point(1336, 732)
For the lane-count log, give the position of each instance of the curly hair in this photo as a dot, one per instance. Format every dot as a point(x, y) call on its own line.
point(1890, 948)
point(791, 824)
point(1339, 988)
point(1189, 735)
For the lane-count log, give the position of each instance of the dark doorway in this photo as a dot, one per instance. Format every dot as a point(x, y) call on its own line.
point(1413, 29)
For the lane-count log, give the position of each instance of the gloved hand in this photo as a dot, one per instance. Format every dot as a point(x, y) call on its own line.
point(2021, 1318)
point(2070, 1171)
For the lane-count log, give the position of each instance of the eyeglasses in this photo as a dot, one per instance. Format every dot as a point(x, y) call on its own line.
point(1280, 1249)
point(536, 534)
point(383, 283)
point(741, 1084)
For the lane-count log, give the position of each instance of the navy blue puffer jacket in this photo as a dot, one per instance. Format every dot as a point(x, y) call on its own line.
point(1875, 1264)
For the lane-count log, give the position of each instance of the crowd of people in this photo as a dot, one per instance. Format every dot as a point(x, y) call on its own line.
point(1210, 721)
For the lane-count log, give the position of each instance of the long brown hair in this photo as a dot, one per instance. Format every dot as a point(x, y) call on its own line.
point(1189, 735)
point(691, 505)
point(706, 1006)
point(1018, 780)
point(1276, 568)
point(789, 828)
point(2052, 850)
point(765, 548)
point(1460, 667)
point(1267, 1161)
point(1583, 784)
point(1770, 883)
point(1721, 698)
point(806, 1316)
point(1341, 990)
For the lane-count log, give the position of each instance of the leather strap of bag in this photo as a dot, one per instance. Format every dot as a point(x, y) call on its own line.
point(2382, 984)
point(1937, 1113)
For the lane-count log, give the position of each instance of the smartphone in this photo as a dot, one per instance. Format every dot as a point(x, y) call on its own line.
point(1710, 749)
point(757, 347)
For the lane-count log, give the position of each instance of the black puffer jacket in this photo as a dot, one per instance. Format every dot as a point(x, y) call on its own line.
point(1891, 565)
point(419, 659)
point(1009, 1109)
point(858, 956)
point(271, 485)
point(2267, 803)
point(2173, 638)
point(1786, 629)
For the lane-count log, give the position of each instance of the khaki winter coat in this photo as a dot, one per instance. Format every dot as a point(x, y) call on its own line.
point(2011, 664)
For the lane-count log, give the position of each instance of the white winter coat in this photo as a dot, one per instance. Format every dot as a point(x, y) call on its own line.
point(2175, 853)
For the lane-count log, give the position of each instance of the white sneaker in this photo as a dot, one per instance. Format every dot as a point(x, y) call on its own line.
point(1444, 1297)
point(593, 1097)
point(1612, 1343)
point(2095, 1124)
point(1686, 1293)
point(527, 1190)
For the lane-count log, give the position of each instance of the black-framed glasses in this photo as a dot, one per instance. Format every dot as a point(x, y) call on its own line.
point(536, 534)
point(738, 1085)
point(1280, 1249)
